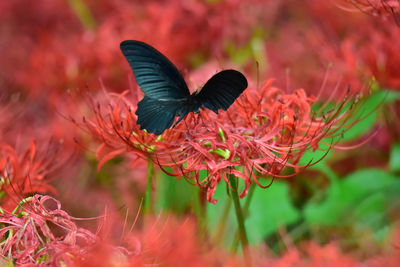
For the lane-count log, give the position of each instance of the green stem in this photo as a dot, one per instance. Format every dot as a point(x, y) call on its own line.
point(83, 13)
point(245, 212)
point(147, 198)
point(240, 220)
point(222, 222)
point(199, 210)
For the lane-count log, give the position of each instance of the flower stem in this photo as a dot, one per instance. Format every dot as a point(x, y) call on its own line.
point(147, 198)
point(199, 210)
point(245, 210)
point(222, 222)
point(82, 11)
point(240, 220)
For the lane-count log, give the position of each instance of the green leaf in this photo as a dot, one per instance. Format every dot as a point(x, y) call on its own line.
point(269, 209)
point(394, 163)
point(312, 156)
point(370, 210)
point(327, 212)
point(368, 113)
point(382, 233)
point(391, 96)
point(360, 198)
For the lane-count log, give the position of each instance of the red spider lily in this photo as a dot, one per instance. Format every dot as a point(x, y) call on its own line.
point(335, 61)
point(23, 27)
point(117, 131)
point(315, 42)
point(172, 242)
point(354, 58)
point(8, 113)
point(39, 232)
point(162, 242)
point(379, 55)
point(42, 233)
point(262, 132)
point(27, 172)
point(370, 52)
point(49, 37)
point(381, 8)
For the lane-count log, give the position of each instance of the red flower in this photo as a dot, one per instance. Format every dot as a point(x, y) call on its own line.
point(315, 36)
point(315, 255)
point(162, 242)
point(39, 231)
point(50, 37)
point(116, 130)
point(382, 8)
point(379, 53)
point(25, 173)
point(262, 133)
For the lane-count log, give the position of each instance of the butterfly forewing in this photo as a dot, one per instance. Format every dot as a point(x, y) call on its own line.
point(155, 74)
point(222, 90)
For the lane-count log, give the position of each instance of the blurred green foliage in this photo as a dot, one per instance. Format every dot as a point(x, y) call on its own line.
point(394, 163)
point(367, 115)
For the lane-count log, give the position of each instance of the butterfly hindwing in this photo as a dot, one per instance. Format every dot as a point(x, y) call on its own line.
point(155, 74)
point(155, 116)
point(222, 90)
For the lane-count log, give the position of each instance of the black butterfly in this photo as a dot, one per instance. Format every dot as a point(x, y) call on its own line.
point(166, 93)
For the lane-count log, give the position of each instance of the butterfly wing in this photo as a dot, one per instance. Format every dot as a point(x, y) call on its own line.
point(222, 90)
point(156, 116)
point(156, 75)
point(164, 87)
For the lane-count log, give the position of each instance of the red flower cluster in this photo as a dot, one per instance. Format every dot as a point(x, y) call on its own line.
point(33, 147)
point(24, 173)
point(382, 8)
point(72, 49)
point(162, 242)
point(317, 43)
point(340, 52)
point(53, 46)
point(262, 132)
point(39, 232)
point(379, 55)
point(315, 255)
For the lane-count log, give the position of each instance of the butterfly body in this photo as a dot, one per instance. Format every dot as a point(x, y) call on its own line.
point(166, 93)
